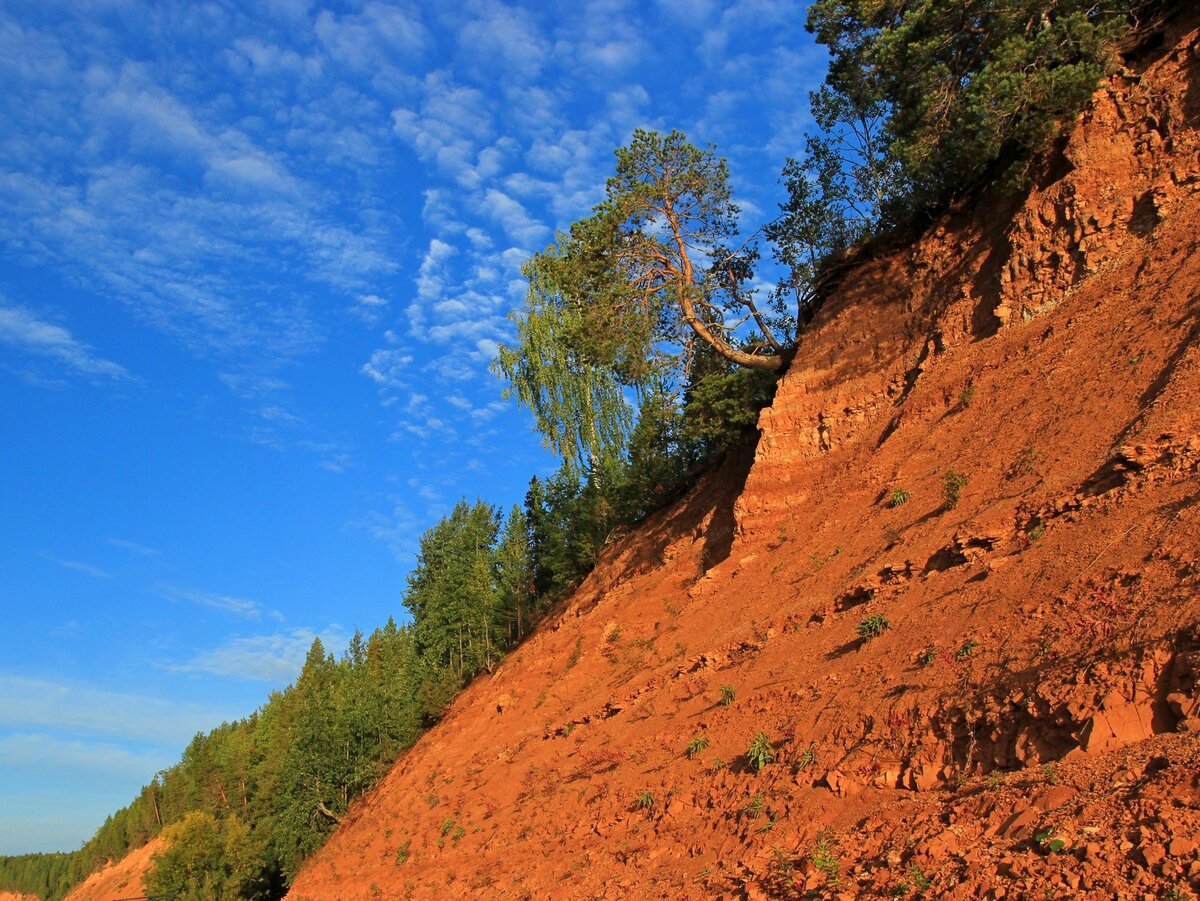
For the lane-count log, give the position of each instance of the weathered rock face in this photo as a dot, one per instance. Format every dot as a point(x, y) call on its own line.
point(958, 593)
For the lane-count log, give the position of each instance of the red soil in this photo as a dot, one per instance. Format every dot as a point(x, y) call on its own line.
point(13, 896)
point(123, 879)
point(1039, 676)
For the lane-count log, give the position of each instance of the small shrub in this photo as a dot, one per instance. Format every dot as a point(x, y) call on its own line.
point(872, 627)
point(899, 497)
point(403, 853)
point(927, 656)
point(696, 746)
point(1038, 530)
point(953, 484)
point(718, 764)
point(760, 752)
point(726, 695)
point(1049, 773)
point(645, 801)
point(966, 649)
point(966, 396)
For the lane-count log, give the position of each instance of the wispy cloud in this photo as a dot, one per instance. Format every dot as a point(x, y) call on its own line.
point(24, 330)
point(85, 568)
point(38, 752)
point(80, 709)
point(269, 658)
point(226, 603)
point(134, 547)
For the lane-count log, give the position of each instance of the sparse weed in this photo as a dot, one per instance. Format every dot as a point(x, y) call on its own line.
point(575, 654)
point(696, 746)
point(965, 396)
point(807, 757)
point(818, 560)
point(899, 497)
point(917, 882)
point(613, 635)
point(645, 802)
point(726, 695)
point(755, 807)
point(966, 649)
point(891, 535)
point(1025, 464)
point(825, 860)
point(1038, 530)
point(927, 656)
point(994, 780)
point(718, 764)
point(1049, 773)
point(872, 627)
point(953, 484)
point(760, 752)
point(403, 853)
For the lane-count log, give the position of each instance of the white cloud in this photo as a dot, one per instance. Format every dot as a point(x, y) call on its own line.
point(82, 710)
point(387, 366)
point(37, 752)
point(22, 329)
point(512, 216)
point(382, 34)
point(274, 658)
point(134, 547)
point(85, 568)
point(228, 604)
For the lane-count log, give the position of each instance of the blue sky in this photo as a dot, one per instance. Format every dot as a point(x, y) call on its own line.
point(255, 259)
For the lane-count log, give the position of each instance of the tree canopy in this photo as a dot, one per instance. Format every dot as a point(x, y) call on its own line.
point(929, 98)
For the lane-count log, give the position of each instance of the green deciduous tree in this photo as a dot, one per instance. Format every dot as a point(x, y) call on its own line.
point(205, 859)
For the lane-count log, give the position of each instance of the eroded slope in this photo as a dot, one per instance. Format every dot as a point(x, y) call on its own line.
point(1038, 675)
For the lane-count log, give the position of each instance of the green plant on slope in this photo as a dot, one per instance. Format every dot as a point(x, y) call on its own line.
point(872, 627)
point(696, 746)
point(953, 484)
point(760, 752)
point(755, 807)
point(825, 860)
point(899, 497)
point(725, 695)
